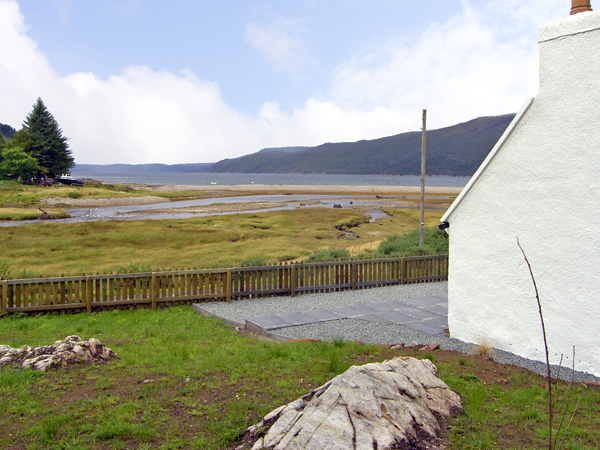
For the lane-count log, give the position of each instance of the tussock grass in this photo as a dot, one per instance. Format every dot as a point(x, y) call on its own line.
point(107, 246)
point(484, 348)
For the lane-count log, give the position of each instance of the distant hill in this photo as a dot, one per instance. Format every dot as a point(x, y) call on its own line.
point(91, 169)
point(457, 150)
point(7, 131)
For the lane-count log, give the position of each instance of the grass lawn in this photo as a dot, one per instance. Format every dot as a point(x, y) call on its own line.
point(188, 381)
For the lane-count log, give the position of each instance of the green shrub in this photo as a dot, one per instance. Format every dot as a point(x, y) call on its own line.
point(329, 255)
point(135, 268)
point(74, 195)
point(254, 261)
point(4, 270)
point(435, 243)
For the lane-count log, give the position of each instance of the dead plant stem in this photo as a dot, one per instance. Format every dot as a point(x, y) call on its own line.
point(537, 296)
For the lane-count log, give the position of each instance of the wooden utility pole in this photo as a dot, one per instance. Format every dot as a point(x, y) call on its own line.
point(423, 139)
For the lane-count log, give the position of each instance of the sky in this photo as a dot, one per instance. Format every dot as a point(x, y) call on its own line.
point(188, 81)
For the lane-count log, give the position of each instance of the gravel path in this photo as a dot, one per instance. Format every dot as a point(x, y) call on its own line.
point(363, 330)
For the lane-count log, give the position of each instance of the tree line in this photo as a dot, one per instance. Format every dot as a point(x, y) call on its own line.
point(38, 150)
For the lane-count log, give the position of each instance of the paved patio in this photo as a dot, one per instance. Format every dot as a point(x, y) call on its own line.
point(427, 314)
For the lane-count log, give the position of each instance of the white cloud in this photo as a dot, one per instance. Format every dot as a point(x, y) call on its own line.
point(457, 70)
point(23, 68)
point(154, 116)
point(283, 43)
point(479, 62)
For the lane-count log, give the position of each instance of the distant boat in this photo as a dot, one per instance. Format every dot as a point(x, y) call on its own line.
point(68, 179)
point(213, 182)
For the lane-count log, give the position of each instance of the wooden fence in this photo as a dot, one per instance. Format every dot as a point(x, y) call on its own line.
point(152, 289)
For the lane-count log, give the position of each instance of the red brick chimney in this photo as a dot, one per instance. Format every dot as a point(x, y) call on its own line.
point(580, 6)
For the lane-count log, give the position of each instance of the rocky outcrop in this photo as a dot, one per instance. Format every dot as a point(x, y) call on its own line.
point(65, 353)
point(398, 404)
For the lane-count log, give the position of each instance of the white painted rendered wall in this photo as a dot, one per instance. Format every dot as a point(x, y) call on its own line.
point(541, 184)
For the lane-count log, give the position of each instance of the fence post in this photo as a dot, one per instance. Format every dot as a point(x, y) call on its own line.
point(354, 275)
point(153, 290)
point(293, 279)
point(229, 284)
point(3, 297)
point(88, 293)
point(402, 271)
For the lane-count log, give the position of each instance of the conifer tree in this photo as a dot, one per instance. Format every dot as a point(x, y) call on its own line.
point(49, 146)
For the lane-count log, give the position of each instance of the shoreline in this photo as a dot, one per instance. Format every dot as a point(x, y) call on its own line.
point(410, 194)
point(306, 189)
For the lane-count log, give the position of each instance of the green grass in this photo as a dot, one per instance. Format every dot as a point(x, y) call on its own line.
point(195, 367)
point(31, 213)
point(189, 381)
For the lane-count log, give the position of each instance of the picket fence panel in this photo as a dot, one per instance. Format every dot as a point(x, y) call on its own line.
point(152, 289)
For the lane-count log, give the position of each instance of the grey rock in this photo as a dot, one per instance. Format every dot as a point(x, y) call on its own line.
point(65, 353)
point(380, 405)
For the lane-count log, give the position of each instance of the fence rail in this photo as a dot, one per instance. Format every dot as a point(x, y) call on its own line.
point(151, 289)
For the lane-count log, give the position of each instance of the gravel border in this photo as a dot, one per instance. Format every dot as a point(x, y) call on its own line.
point(237, 312)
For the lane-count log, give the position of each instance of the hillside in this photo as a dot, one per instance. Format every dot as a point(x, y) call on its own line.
point(7, 131)
point(91, 169)
point(457, 150)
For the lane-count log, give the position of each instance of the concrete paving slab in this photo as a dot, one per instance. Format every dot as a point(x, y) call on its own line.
point(296, 318)
point(368, 307)
point(347, 311)
point(391, 304)
point(397, 317)
point(442, 310)
point(441, 298)
point(269, 322)
point(374, 318)
point(323, 315)
point(425, 328)
point(419, 313)
point(440, 321)
point(415, 302)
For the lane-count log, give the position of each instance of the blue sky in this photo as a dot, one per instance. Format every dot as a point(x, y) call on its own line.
point(140, 81)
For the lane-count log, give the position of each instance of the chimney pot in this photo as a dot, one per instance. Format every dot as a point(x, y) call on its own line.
point(578, 6)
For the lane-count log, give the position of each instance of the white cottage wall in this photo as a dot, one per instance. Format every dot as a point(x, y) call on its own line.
point(543, 186)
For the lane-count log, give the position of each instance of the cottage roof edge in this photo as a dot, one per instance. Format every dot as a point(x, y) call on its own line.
point(486, 162)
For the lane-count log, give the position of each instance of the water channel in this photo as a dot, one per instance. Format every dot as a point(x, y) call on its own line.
point(144, 212)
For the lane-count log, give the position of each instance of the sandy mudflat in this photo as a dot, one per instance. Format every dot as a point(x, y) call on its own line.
point(100, 202)
point(306, 189)
point(228, 208)
point(217, 191)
